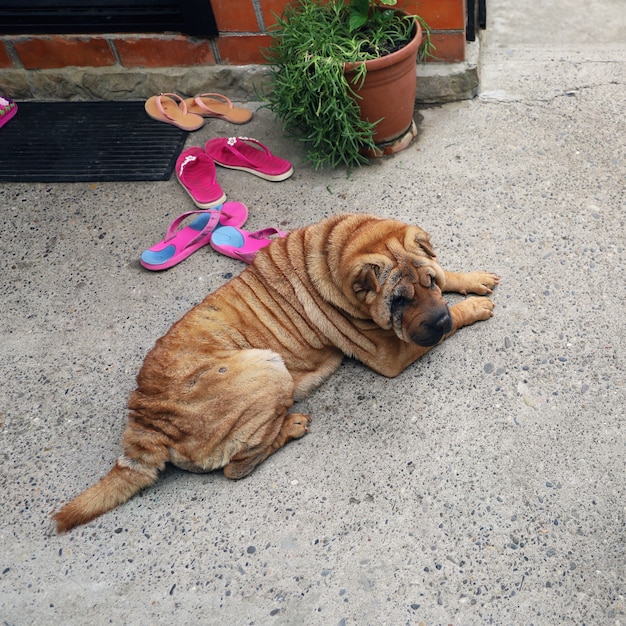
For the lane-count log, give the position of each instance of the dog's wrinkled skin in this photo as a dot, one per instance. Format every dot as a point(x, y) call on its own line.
point(215, 391)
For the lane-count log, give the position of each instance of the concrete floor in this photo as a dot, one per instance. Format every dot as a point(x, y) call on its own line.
point(485, 485)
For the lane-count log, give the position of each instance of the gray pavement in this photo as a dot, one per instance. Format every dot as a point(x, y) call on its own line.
point(485, 485)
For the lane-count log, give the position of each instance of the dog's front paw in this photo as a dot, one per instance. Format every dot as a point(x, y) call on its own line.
point(479, 309)
point(481, 283)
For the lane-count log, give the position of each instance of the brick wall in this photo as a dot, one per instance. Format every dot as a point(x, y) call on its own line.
point(243, 27)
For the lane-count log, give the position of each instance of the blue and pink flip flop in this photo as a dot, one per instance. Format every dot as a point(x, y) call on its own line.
point(241, 244)
point(178, 244)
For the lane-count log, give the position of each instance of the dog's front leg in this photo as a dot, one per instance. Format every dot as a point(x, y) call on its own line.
point(481, 283)
point(392, 356)
point(468, 311)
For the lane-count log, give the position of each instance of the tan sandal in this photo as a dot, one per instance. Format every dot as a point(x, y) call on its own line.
point(217, 105)
point(164, 109)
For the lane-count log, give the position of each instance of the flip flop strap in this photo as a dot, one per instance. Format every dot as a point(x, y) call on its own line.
point(266, 232)
point(183, 108)
point(191, 158)
point(231, 143)
point(209, 227)
point(198, 100)
point(248, 257)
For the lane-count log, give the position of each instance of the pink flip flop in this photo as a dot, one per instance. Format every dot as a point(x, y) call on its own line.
point(241, 244)
point(248, 155)
point(179, 244)
point(195, 171)
point(8, 109)
point(217, 105)
point(164, 109)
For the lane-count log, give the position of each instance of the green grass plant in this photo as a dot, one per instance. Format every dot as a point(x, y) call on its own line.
point(310, 93)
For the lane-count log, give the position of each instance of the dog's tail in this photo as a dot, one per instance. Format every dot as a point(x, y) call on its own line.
point(146, 451)
point(125, 479)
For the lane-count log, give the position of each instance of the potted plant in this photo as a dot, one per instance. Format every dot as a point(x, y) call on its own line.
point(328, 59)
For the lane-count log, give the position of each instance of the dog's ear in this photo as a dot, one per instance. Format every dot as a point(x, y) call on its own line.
point(368, 277)
point(422, 239)
point(366, 282)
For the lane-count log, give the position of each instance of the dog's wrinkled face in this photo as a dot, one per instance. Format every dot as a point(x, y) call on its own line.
point(399, 286)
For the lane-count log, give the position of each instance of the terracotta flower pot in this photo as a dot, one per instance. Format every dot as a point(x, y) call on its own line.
point(388, 92)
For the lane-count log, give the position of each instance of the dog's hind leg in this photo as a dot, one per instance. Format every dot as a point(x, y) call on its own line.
point(236, 415)
point(294, 426)
point(270, 396)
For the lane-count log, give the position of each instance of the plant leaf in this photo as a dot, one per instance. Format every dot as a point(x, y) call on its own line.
point(356, 21)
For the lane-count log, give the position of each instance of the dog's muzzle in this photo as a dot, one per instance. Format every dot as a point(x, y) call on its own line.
point(432, 331)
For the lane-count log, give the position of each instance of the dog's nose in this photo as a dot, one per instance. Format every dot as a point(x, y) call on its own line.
point(432, 330)
point(443, 323)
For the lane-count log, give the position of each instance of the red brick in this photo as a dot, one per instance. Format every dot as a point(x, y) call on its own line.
point(449, 47)
point(63, 51)
point(235, 16)
point(270, 8)
point(438, 14)
point(5, 59)
point(244, 49)
point(163, 51)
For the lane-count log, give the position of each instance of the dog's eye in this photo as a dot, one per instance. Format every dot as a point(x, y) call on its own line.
point(399, 303)
point(433, 282)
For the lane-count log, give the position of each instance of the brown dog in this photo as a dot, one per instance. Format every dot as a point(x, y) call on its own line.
point(216, 389)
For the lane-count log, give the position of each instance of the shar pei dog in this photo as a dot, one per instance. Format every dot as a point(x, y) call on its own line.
point(216, 390)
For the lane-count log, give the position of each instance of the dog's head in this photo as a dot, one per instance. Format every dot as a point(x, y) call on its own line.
point(390, 274)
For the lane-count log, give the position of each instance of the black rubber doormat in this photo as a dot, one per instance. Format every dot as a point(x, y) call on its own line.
point(67, 142)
